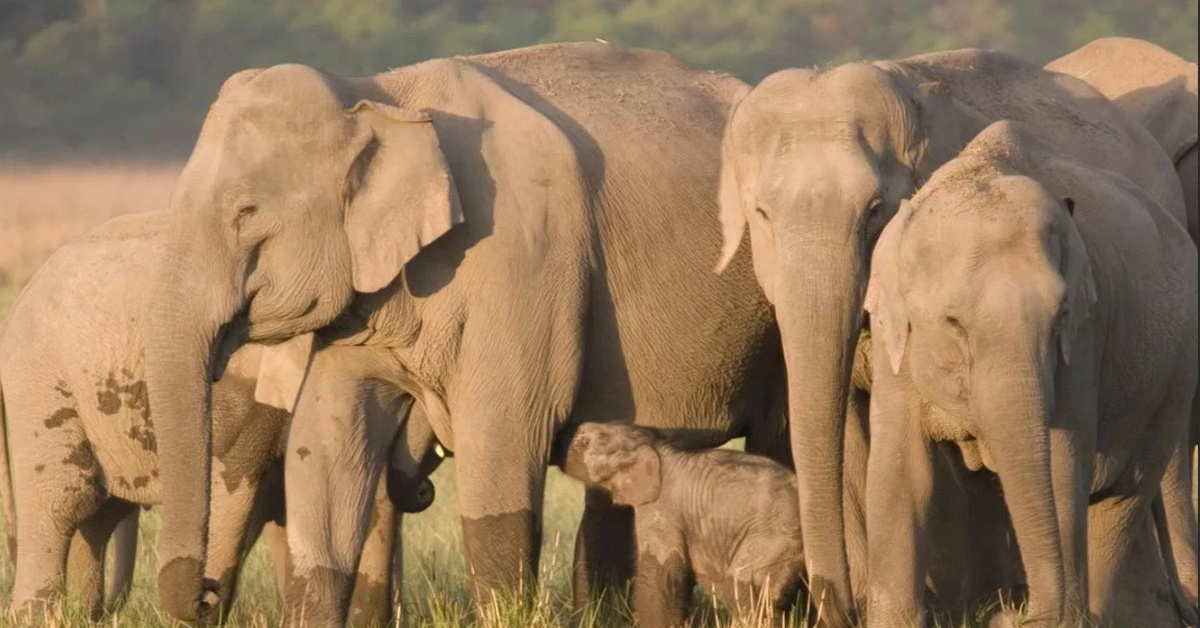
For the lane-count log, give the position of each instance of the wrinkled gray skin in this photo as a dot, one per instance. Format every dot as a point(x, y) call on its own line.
point(584, 176)
point(814, 164)
point(722, 518)
point(1159, 90)
point(83, 446)
point(1041, 314)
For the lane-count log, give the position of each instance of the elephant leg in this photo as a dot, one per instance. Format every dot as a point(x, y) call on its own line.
point(239, 510)
point(899, 495)
point(1071, 476)
point(1180, 515)
point(342, 428)
point(277, 545)
point(62, 478)
point(1128, 580)
point(85, 560)
point(854, 485)
point(604, 552)
point(500, 491)
point(124, 562)
point(371, 603)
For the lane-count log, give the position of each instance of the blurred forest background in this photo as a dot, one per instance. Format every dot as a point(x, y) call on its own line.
point(98, 77)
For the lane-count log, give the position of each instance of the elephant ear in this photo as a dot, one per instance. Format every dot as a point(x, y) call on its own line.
point(639, 482)
point(732, 210)
point(939, 127)
point(405, 199)
point(1081, 286)
point(281, 371)
point(884, 300)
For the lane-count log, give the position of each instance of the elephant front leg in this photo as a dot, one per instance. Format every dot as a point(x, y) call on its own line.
point(604, 552)
point(371, 603)
point(663, 586)
point(85, 561)
point(899, 494)
point(500, 479)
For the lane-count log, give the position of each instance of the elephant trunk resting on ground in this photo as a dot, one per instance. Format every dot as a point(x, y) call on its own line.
point(815, 163)
point(80, 433)
point(526, 236)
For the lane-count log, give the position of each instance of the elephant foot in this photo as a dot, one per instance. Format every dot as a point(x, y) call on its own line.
point(318, 599)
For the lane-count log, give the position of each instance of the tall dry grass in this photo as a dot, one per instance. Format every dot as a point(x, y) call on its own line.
point(43, 206)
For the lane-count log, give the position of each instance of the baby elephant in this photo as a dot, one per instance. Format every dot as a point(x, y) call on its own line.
point(725, 518)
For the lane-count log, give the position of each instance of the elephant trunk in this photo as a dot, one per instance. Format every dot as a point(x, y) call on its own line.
point(183, 326)
point(818, 301)
point(1014, 403)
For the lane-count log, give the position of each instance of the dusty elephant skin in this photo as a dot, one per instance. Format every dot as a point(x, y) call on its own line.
point(1157, 88)
point(1040, 314)
point(79, 432)
point(815, 163)
point(527, 235)
point(687, 533)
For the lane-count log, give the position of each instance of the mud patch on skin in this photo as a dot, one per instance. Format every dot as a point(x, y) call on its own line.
point(140, 481)
point(111, 395)
point(60, 417)
point(319, 598)
point(82, 457)
point(500, 549)
point(62, 389)
point(303, 452)
point(39, 468)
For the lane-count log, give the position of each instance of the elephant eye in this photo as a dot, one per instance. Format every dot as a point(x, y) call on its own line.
point(762, 213)
point(246, 210)
point(955, 323)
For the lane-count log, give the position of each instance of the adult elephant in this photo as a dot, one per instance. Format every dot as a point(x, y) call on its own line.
point(815, 163)
point(1157, 88)
point(576, 288)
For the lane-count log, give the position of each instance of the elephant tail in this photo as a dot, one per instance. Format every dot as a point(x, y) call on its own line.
point(6, 489)
point(1187, 612)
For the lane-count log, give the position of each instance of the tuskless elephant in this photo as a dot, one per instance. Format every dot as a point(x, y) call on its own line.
point(79, 430)
point(1040, 314)
point(1159, 90)
point(815, 163)
point(527, 235)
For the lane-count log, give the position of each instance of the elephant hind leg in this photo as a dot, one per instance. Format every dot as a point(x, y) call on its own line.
point(604, 552)
point(85, 561)
point(124, 551)
point(60, 478)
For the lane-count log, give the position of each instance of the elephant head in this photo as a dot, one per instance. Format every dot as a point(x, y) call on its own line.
point(301, 191)
point(981, 289)
point(621, 459)
point(814, 164)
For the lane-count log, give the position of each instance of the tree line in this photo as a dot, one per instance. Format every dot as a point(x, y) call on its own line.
point(137, 75)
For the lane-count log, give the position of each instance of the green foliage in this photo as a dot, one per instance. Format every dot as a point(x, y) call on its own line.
point(138, 74)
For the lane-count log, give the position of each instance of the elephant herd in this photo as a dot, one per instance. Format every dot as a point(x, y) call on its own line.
point(955, 292)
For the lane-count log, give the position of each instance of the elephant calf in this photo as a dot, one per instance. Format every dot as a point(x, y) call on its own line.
point(1040, 314)
point(80, 436)
point(726, 518)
